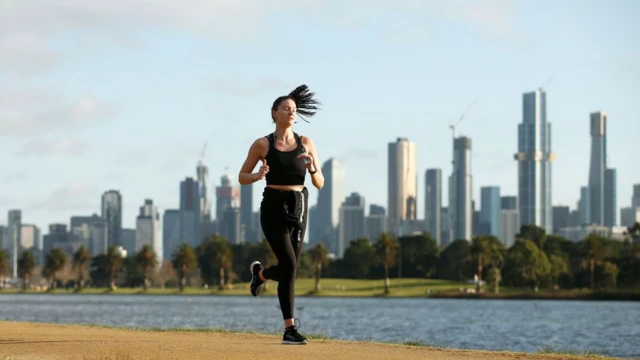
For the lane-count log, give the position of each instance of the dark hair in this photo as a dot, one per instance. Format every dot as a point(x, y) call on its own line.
point(306, 104)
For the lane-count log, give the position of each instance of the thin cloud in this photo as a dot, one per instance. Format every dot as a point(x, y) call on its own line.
point(73, 196)
point(24, 54)
point(29, 112)
point(54, 147)
point(235, 86)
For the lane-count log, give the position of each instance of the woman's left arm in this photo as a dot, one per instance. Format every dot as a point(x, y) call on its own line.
point(316, 177)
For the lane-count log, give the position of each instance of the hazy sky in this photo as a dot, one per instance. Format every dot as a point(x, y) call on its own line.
point(98, 95)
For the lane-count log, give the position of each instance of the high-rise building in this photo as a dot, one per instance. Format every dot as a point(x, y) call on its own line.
point(148, 229)
point(460, 191)
point(561, 217)
point(635, 198)
point(629, 216)
point(610, 196)
point(14, 226)
point(510, 224)
point(190, 221)
point(509, 203)
point(202, 172)
point(326, 217)
point(403, 183)
point(433, 204)
point(490, 210)
point(584, 206)
point(352, 224)
point(92, 232)
point(230, 228)
point(597, 167)
point(171, 232)
point(376, 222)
point(246, 211)
point(112, 213)
point(534, 162)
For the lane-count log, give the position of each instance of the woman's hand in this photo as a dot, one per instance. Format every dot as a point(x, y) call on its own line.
point(308, 160)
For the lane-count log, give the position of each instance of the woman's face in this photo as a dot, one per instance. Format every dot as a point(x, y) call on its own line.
point(286, 112)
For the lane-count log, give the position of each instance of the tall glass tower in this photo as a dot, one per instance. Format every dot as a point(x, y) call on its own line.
point(534, 162)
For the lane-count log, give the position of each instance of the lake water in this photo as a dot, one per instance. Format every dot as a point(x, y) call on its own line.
point(608, 328)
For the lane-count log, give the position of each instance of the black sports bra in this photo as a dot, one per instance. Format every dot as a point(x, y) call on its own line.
point(284, 167)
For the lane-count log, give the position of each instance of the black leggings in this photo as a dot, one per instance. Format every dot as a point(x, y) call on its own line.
point(285, 238)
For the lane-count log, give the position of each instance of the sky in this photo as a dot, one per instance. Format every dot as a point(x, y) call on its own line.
point(99, 95)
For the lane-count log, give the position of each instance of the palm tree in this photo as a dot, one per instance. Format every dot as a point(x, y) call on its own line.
point(55, 262)
point(81, 258)
point(112, 264)
point(26, 264)
point(386, 253)
point(184, 261)
point(146, 259)
point(4, 265)
point(319, 257)
point(592, 249)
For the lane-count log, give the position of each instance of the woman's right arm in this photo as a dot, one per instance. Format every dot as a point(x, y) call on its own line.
point(257, 151)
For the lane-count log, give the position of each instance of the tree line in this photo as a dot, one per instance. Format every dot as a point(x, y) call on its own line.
point(536, 260)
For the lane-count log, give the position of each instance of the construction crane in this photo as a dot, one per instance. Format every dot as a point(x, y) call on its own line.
point(547, 83)
point(453, 126)
point(204, 148)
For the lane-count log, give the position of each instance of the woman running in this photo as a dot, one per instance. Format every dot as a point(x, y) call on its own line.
point(286, 157)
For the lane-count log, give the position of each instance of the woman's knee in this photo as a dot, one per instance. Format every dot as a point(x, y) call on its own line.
point(287, 269)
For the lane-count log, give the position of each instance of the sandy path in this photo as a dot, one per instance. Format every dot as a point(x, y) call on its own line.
point(21, 341)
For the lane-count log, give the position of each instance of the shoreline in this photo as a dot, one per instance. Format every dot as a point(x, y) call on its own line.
point(24, 340)
point(629, 295)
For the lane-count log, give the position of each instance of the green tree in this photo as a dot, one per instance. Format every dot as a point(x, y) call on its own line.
point(533, 233)
point(530, 263)
point(319, 258)
point(81, 259)
point(418, 255)
point(146, 260)
point(481, 252)
point(358, 258)
point(26, 264)
point(386, 250)
point(4, 264)
point(455, 262)
point(55, 261)
point(214, 256)
point(592, 250)
point(184, 261)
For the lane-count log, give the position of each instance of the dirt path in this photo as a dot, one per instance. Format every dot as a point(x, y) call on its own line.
point(22, 341)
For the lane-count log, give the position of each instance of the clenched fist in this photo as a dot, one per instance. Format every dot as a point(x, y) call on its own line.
point(264, 169)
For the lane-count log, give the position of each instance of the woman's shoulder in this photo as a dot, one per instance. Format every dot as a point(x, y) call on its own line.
point(306, 140)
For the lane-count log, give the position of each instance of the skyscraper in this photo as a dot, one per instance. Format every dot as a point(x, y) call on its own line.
point(14, 231)
point(490, 210)
point(352, 224)
point(584, 206)
point(433, 204)
point(246, 210)
point(148, 229)
point(112, 213)
point(597, 167)
point(460, 191)
point(190, 224)
point(202, 172)
point(326, 216)
point(403, 183)
point(610, 194)
point(635, 198)
point(534, 162)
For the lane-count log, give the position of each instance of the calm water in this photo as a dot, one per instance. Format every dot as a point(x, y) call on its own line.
point(609, 328)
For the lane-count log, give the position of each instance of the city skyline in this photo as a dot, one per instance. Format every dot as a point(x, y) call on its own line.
point(140, 129)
